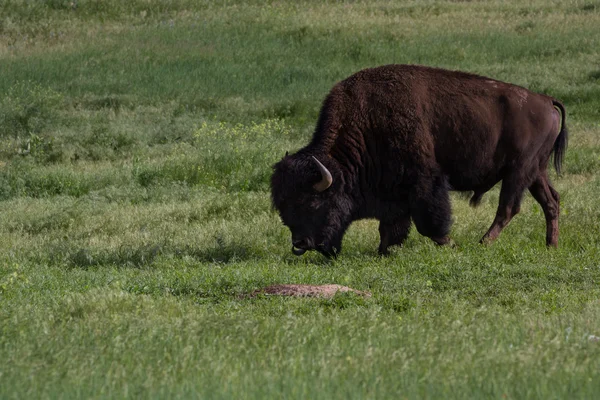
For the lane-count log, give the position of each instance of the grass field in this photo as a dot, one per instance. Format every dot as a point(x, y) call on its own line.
point(136, 145)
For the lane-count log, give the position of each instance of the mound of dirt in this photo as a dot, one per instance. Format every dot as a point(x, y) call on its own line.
point(323, 291)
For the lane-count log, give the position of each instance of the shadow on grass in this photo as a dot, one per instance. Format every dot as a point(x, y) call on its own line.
point(146, 255)
point(223, 253)
point(125, 256)
point(594, 76)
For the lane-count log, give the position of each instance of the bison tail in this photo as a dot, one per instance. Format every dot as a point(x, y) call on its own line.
point(560, 144)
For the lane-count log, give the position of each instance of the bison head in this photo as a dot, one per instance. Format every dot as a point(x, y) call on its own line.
point(307, 191)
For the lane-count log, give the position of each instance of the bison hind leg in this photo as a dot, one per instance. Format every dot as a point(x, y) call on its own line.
point(509, 204)
point(548, 198)
point(430, 208)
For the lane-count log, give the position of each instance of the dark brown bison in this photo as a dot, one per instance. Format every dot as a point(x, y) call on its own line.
point(392, 141)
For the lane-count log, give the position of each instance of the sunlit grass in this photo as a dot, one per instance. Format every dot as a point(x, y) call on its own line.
point(136, 145)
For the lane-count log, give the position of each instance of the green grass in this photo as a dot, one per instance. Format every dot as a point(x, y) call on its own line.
point(136, 145)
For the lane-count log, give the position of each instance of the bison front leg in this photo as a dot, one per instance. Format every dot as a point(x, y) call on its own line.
point(393, 233)
point(430, 208)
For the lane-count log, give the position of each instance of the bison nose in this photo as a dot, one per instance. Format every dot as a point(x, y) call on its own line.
point(299, 246)
point(298, 252)
point(301, 243)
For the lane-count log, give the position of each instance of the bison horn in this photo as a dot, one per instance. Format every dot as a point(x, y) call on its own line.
point(326, 179)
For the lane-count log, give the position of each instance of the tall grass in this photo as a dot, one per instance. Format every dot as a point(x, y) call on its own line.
point(136, 145)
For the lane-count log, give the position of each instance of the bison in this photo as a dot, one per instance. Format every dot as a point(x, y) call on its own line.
point(392, 141)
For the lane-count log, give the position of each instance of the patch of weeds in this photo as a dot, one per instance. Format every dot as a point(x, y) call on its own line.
point(300, 111)
point(42, 148)
point(82, 259)
point(61, 220)
point(23, 178)
point(298, 35)
point(229, 156)
point(295, 75)
point(177, 128)
point(183, 169)
point(145, 175)
point(224, 157)
point(583, 161)
point(135, 256)
point(28, 108)
point(58, 183)
point(590, 7)
point(125, 256)
point(525, 27)
point(111, 102)
point(15, 278)
point(6, 188)
point(221, 252)
point(104, 143)
point(552, 301)
point(217, 210)
point(397, 303)
point(594, 76)
point(344, 300)
point(61, 4)
point(179, 191)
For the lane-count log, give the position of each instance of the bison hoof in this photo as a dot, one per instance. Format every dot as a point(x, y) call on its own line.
point(486, 240)
point(383, 252)
point(444, 241)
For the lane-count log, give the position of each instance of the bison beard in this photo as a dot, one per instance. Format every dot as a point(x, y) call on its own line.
point(391, 142)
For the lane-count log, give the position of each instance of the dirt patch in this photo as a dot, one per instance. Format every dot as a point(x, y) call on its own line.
point(322, 291)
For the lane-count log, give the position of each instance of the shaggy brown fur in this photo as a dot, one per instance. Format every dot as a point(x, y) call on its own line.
point(397, 138)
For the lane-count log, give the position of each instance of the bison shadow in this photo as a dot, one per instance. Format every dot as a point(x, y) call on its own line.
point(145, 255)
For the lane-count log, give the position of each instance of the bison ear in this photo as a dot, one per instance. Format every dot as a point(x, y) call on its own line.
point(326, 178)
